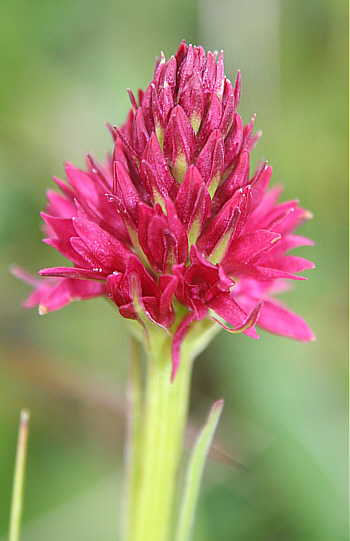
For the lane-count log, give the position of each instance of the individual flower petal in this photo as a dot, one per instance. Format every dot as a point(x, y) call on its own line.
point(227, 116)
point(193, 204)
point(192, 101)
point(218, 87)
point(218, 236)
point(276, 318)
point(61, 206)
point(155, 174)
point(185, 64)
point(210, 162)
point(158, 117)
point(261, 273)
point(51, 294)
point(211, 121)
point(59, 228)
point(67, 250)
point(69, 290)
point(167, 88)
point(179, 143)
point(146, 105)
point(288, 263)
point(288, 242)
point(237, 179)
point(126, 196)
point(109, 251)
point(247, 134)
point(250, 247)
point(96, 273)
point(209, 76)
point(227, 308)
point(237, 90)
point(233, 142)
point(260, 183)
point(139, 133)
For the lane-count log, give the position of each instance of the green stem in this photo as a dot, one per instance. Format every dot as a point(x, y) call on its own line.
point(18, 482)
point(133, 444)
point(164, 419)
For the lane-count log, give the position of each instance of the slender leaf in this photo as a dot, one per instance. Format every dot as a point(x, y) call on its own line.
point(194, 474)
point(18, 481)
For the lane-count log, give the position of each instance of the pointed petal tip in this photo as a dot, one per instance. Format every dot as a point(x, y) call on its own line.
point(311, 337)
point(132, 99)
point(308, 215)
point(14, 270)
point(218, 405)
point(173, 374)
point(24, 276)
point(248, 327)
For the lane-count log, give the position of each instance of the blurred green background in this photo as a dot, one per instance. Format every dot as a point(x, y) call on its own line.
point(280, 470)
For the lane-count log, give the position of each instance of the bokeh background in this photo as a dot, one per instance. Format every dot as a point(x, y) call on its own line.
point(280, 467)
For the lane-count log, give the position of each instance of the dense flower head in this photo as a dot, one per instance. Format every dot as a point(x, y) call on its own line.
point(174, 224)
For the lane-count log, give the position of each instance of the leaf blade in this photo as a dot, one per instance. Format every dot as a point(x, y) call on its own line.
point(194, 474)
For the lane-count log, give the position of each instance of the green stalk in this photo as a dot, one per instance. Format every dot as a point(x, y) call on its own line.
point(133, 444)
point(164, 417)
point(18, 481)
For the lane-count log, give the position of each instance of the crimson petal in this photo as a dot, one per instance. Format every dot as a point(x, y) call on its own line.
point(276, 318)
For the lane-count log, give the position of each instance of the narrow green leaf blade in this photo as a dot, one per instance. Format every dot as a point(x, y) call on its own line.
point(18, 481)
point(194, 474)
